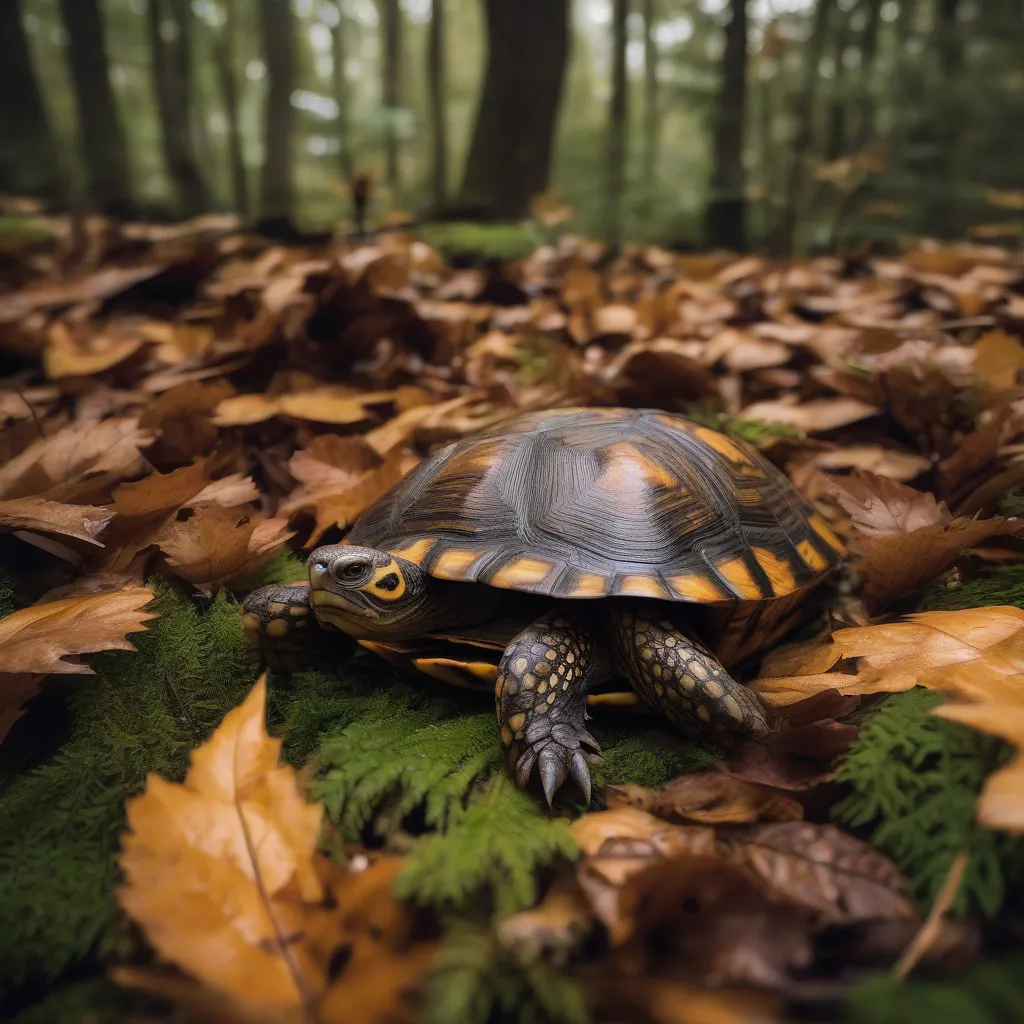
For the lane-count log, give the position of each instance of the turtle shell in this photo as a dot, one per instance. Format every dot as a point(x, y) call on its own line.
point(588, 503)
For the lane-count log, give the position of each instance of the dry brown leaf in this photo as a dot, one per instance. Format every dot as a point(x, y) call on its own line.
point(647, 1000)
point(40, 637)
point(107, 451)
point(83, 522)
point(206, 544)
point(811, 417)
point(879, 506)
point(708, 798)
point(223, 876)
point(823, 869)
point(895, 465)
point(998, 360)
point(66, 355)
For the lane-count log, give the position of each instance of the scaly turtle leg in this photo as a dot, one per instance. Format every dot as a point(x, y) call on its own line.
point(280, 629)
point(678, 677)
point(541, 692)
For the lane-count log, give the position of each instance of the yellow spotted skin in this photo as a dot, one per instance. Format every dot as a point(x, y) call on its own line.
point(679, 678)
point(280, 629)
point(541, 693)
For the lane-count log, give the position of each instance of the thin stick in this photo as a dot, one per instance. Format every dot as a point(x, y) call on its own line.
point(929, 931)
point(32, 413)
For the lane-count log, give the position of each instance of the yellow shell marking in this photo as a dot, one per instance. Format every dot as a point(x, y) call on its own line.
point(457, 673)
point(824, 531)
point(779, 574)
point(589, 585)
point(416, 551)
point(724, 446)
point(641, 586)
point(615, 700)
point(452, 565)
point(625, 461)
point(277, 627)
point(383, 593)
point(736, 572)
point(695, 588)
point(812, 556)
point(521, 573)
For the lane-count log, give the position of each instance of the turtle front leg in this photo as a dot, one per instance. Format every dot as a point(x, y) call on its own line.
point(280, 629)
point(678, 677)
point(541, 692)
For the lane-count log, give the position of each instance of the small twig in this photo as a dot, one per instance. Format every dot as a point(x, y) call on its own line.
point(930, 930)
point(32, 413)
point(186, 711)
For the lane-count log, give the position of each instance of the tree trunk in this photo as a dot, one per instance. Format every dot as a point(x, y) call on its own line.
point(28, 155)
point(801, 146)
point(510, 152)
point(171, 47)
point(650, 108)
point(725, 220)
point(616, 144)
point(436, 93)
point(104, 148)
point(836, 124)
point(391, 87)
point(868, 55)
point(277, 192)
point(341, 96)
point(224, 59)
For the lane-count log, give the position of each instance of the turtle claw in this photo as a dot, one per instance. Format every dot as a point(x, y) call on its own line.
point(581, 774)
point(555, 762)
point(552, 773)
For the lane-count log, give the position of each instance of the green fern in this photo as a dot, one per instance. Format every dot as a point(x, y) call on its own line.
point(991, 992)
point(1004, 585)
point(915, 780)
point(85, 744)
point(477, 980)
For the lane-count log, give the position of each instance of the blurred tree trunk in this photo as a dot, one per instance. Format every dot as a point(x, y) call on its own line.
point(616, 142)
point(341, 96)
point(725, 220)
point(277, 190)
point(651, 113)
point(104, 147)
point(947, 109)
point(28, 155)
point(865, 75)
point(391, 86)
point(838, 100)
point(510, 152)
point(224, 58)
point(436, 93)
point(801, 145)
point(170, 40)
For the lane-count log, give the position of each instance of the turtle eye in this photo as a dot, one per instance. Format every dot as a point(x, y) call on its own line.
point(354, 570)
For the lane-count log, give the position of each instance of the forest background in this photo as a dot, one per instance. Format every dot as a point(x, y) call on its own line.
point(772, 124)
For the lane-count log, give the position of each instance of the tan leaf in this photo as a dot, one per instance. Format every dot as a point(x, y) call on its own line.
point(709, 798)
point(40, 637)
point(208, 545)
point(84, 522)
point(811, 417)
point(68, 356)
point(16, 690)
point(108, 449)
point(223, 875)
point(998, 360)
point(244, 410)
point(879, 506)
point(886, 462)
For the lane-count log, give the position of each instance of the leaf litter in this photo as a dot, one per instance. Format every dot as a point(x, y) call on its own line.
point(225, 401)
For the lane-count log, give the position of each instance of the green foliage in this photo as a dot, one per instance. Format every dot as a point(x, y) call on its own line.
point(61, 815)
point(477, 979)
point(754, 432)
point(95, 1001)
point(284, 567)
point(487, 241)
point(7, 602)
point(1004, 585)
point(991, 992)
point(915, 780)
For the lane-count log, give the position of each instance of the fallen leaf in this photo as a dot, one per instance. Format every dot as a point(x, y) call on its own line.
point(206, 544)
point(823, 869)
point(83, 522)
point(223, 875)
point(66, 355)
point(40, 637)
point(811, 417)
point(879, 506)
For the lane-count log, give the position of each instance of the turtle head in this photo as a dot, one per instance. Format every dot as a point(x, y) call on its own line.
point(366, 592)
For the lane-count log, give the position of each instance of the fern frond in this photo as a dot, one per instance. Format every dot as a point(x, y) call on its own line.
point(915, 781)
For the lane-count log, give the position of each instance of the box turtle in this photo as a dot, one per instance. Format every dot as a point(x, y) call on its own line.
point(619, 543)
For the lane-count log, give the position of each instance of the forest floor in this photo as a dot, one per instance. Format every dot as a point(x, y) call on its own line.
point(188, 409)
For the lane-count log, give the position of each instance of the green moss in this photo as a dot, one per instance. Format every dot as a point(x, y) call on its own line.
point(915, 781)
point(284, 567)
point(754, 432)
point(490, 241)
point(7, 602)
point(991, 992)
point(62, 814)
point(998, 586)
